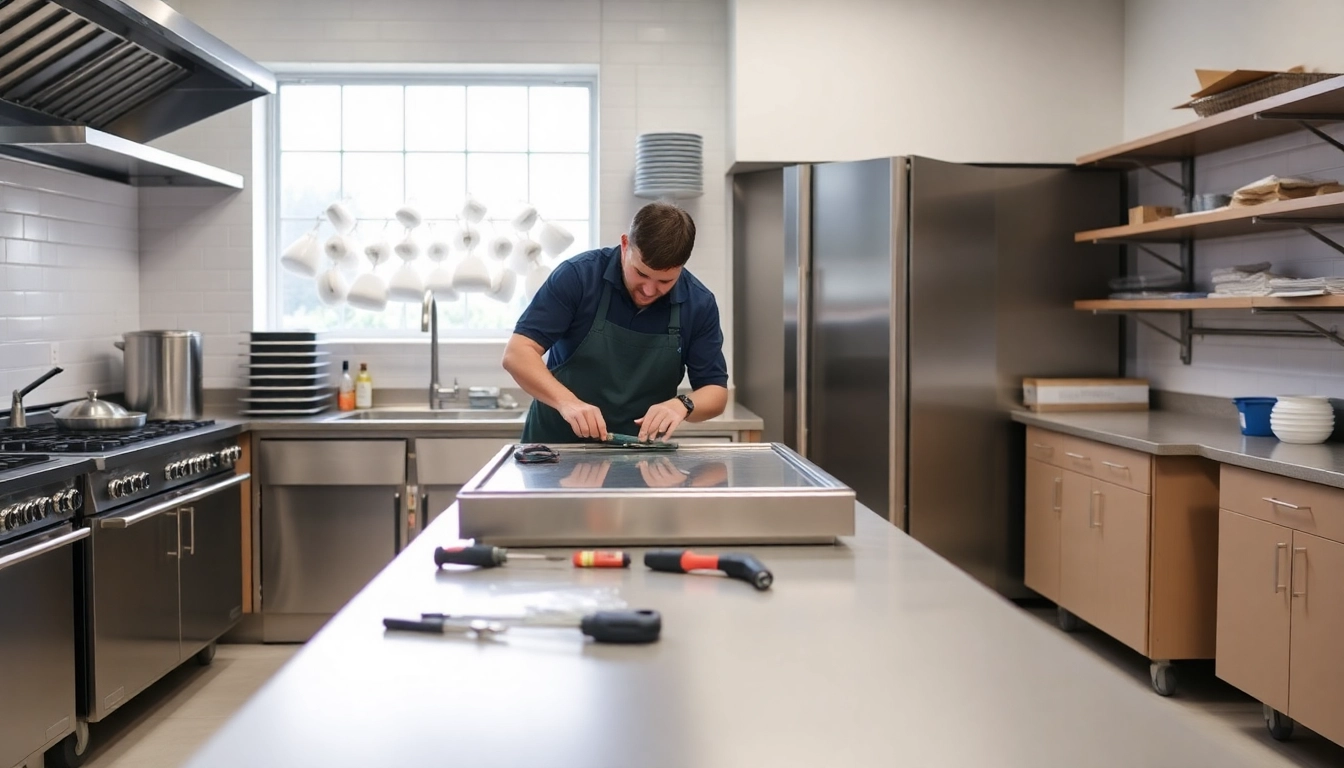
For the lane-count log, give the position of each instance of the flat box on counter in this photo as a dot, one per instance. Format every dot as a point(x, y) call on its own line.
point(1142, 214)
point(1085, 394)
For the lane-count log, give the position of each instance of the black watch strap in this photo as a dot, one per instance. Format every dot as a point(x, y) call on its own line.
point(688, 402)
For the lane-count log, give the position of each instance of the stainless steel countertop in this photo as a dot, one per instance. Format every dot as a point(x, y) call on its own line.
point(872, 652)
point(735, 418)
point(1173, 433)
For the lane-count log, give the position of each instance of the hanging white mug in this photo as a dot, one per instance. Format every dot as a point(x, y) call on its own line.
point(303, 256)
point(409, 248)
point(503, 286)
point(500, 248)
point(440, 281)
point(525, 218)
point(343, 250)
point(471, 276)
point(409, 216)
point(332, 287)
point(554, 238)
point(379, 251)
point(406, 284)
point(535, 279)
point(466, 238)
point(473, 210)
point(525, 255)
point(341, 218)
point(368, 292)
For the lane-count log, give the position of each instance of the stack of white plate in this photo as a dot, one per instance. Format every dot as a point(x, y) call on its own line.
point(1302, 419)
point(287, 374)
point(669, 165)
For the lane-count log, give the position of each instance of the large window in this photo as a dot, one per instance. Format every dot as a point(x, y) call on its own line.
point(379, 144)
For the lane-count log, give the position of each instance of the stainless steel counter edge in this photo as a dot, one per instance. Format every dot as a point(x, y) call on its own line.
point(735, 419)
point(1168, 433)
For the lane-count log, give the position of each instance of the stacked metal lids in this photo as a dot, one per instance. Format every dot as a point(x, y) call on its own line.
point(287, 375)
point(669, 165)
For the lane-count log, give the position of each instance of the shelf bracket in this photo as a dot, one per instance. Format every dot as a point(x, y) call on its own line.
point(1306, 225)
point(1301, 119)
point(1185, 187)
point(1184, 340)
point(1160, 258)
point(1320, 330)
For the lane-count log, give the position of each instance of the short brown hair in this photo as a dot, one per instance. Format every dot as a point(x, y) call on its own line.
point(664, 235)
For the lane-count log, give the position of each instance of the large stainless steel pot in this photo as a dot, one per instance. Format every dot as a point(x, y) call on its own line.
point(163, 373)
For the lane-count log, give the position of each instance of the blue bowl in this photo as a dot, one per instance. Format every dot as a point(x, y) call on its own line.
point(1255, 415)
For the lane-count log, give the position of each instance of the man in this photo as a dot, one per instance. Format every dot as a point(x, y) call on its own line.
point(622, 325)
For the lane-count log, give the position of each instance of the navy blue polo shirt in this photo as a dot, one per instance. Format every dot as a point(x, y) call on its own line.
point(562, 313)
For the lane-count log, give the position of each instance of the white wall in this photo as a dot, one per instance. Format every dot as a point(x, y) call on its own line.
point(1166, 40)
point(68, 280)
point(663, 66)
point(958, 80)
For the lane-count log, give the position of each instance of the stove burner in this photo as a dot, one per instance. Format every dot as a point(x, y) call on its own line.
point(47, 438)
point(14, 462)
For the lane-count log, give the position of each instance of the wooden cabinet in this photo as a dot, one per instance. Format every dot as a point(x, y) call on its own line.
point(1281, 598)
point(1125, 541)
point(1045, 488)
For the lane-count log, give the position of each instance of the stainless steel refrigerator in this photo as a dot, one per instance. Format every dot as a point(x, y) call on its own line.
point(885, 313)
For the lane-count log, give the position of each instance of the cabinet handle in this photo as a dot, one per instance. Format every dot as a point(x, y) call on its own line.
point(1303, 550)
point(424, 510)
point(1059, 486)
point(191, 514)
point(1077, 456)
point(1278, 503)
point(1277, 586)
point(1113, 465)
point(1094, 510)
point(396, 521)
point(1044, 447)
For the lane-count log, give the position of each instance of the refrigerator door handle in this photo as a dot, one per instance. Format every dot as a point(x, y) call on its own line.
point(804, 305)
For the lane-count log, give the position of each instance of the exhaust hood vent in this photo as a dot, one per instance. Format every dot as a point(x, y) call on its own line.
point(132, 69)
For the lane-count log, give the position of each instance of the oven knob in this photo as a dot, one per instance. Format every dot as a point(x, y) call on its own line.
point(179, 469)
point(42, 508)
point(236, 454)
point(168, 472)
point(59, 502)
point(135, 482)
point(114, 488)
point(73, 500)
point(141, 481)
point(215, 460)
point(27, 512)
point(7, 518)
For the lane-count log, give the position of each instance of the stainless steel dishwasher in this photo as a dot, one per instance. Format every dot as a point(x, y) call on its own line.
point(332, 516)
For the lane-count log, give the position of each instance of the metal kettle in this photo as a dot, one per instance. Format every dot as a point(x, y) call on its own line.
point(163, 374)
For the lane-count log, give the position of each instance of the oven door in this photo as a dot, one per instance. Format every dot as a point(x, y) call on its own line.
point(37, 642)
point(137, 573)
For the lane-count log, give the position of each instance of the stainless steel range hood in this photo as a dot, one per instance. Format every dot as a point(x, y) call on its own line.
point(128, 69)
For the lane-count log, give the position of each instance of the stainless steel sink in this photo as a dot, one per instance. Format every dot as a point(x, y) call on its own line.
point(425, 414)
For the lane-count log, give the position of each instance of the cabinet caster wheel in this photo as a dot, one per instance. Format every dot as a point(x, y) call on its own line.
point(70, 751)
point(1164, 677)
point(1067, 621)
point(1280, 725)
point(206, 655)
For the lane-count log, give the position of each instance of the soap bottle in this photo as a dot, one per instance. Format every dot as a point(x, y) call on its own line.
point(345, 401)
point(363, 387)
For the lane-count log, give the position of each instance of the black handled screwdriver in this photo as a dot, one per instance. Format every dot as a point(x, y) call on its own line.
point(484, 556)
point(735, 565)
point(623, 627)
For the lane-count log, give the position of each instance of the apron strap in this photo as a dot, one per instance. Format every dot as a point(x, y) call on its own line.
point(600, 319)
point(674, 322)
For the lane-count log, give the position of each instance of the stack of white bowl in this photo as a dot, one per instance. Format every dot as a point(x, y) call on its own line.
point(669, 165)
point(1302, 419)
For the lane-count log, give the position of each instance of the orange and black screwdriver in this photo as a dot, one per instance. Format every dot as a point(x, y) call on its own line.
point(735, 565)
point(485, 556)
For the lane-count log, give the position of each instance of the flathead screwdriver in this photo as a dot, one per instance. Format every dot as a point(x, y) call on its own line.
point(483, 556)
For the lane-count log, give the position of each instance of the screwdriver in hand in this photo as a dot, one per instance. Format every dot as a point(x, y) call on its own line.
point(734, 565)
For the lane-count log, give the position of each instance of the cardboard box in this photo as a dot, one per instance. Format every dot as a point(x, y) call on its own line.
point(1085, 394)
point(1142, 214)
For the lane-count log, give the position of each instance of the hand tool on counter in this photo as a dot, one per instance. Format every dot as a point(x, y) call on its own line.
point(490, 557)
point(625, 627)
point(615, 440)
point(735, 565)
point(484, 556)
point(535, 453)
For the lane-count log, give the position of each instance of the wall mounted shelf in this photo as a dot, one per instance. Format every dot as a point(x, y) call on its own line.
point(1226, 222)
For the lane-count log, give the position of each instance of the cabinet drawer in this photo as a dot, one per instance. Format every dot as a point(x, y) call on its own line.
point(454, 461)
point(1044, 445)
point(1123, 467)
point(1297, 504)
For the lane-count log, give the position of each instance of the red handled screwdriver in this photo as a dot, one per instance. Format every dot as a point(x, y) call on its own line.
point(735, 565)
point(483, 556)
point(600, 559)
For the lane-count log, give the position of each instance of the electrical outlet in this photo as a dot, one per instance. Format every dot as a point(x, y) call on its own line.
point(55, 356)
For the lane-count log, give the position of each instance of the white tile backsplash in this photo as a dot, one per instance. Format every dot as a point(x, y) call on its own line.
point(68, 279)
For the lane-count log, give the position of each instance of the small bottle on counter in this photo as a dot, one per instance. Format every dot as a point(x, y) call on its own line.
point(345, 400)
point(363, 387)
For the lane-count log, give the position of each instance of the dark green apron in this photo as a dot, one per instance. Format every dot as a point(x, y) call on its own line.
point(620, 371)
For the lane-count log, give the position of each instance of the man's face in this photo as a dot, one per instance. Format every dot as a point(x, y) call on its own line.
point(645, 285)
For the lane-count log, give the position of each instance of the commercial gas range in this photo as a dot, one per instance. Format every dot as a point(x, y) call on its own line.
point(40, 498)
point(158, 579)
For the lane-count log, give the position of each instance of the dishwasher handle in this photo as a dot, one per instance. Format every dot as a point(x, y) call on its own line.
point(43, 548)
point(139, 517)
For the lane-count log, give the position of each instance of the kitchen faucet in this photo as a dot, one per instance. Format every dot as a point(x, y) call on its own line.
point(17, 418)
point(429, 321)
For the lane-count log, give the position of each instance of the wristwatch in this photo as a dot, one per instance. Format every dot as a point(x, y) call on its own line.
point(688, 402)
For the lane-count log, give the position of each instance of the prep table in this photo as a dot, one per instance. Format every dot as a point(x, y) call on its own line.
point(874, 651)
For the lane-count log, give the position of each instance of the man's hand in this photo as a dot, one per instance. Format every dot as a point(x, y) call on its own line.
point(586, 420)
point(587, 474)
point(661, 420)
point(660, 472)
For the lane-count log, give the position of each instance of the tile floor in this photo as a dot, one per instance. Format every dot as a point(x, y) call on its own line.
point(163, 726)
